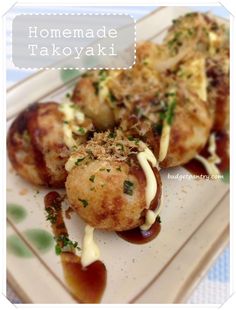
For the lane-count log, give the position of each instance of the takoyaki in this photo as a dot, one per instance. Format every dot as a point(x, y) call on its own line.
point(107, 185)
point(175, 123)
point(40, 139)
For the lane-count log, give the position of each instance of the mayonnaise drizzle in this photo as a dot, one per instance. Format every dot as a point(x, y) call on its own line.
point(71, 162)
point(151, 188)
point(70, 114)
point(211, 162)
point(165, 140)
point(151, 217)
point(90, 251)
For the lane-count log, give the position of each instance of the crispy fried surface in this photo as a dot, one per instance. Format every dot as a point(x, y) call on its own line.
point(108, 207)
point(35, 145)
point(210, 39)
point(96, 184)
point(192, 65)
point(190, 126)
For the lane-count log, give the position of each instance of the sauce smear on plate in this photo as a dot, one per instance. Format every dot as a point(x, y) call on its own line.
point(222, 144)
point(139, 236)
point(85, 284)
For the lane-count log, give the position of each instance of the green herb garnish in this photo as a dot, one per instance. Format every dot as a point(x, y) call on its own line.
point(26, 136)
point(191, 14)
point(64, 242)
point(102, 75)
point(79, 160)
point(84, 202)
point(128, 187)
point(58, 249)
point(51, 216)
point(168, 111)
point(112, 97)
point(52, 212)
point(171, 109)
point(92, 178)
point(121, 146)
point(136, 140)
point(112, 135)
point(74, 147)
point(157, 129)
point(96, 87)
point(81, 130)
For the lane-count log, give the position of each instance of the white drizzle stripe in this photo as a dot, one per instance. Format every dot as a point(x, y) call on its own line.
point(211, 162)
point(210, 167)
point(151, 188)
point(70, 114)
point(90, 251)
point(164, 142)
point(70, 163)
point(151, 217)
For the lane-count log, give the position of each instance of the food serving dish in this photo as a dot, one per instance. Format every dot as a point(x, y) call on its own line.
point(195, 217)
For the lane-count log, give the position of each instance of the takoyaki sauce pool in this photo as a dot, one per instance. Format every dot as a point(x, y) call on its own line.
point(86, 285)
point(139, 236)
point(222, 142)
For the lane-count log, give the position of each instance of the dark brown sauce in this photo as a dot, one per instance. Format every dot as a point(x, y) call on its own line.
point(137, 235)
point(34, 132)
point(85, 284)
point(222, 143)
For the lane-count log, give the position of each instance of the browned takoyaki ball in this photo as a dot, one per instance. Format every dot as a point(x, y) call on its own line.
point(104, 95)
point(209, 37)
point(36, 145)
point(86, 96)
point(218, 90)
point(189, 119)
point(108, 191)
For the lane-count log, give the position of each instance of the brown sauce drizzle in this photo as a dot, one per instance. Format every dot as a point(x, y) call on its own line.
point(85, 284)
point(138, 236)
point(222, 143)
point(34, 132)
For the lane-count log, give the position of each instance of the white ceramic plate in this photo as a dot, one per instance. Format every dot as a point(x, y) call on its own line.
point(195, 219)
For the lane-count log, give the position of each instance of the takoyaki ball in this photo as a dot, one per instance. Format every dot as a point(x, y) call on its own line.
point(203, 32)
point(187, 117)
point(105, 95)
point(107, 185)
point(209, 38)
point(218, 90)
point(91, 94)
point(190, 130)
point(36, 145)
point(141, 78)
